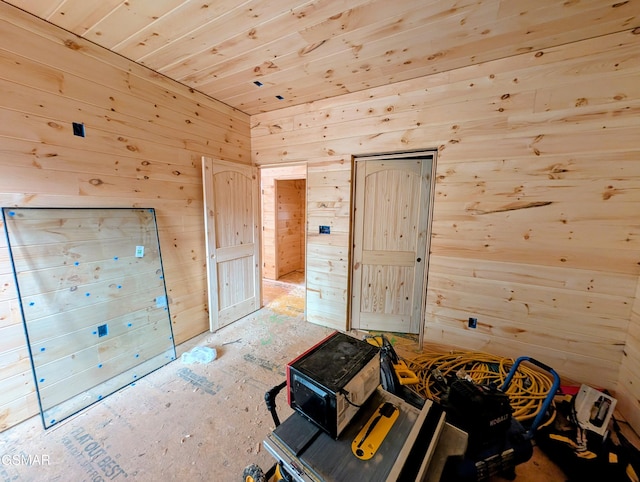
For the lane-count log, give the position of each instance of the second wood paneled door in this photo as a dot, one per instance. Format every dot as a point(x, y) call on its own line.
point(392, 199)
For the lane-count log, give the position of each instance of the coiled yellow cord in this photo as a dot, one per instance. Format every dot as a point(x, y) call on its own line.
point(527, 390)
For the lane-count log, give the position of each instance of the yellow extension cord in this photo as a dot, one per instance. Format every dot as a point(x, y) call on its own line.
point(527, 390)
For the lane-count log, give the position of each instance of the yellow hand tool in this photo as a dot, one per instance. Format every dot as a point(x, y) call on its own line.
point(405, 376)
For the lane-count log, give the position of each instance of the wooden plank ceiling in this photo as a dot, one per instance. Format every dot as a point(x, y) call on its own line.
point(304, 51)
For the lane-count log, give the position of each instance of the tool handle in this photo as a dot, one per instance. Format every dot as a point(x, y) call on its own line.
point(372, 425)
point(405, 376)
point(270, 400)
point(547, 401)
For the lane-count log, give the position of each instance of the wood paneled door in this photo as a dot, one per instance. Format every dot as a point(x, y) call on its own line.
point(390, 239)
point(231, 203)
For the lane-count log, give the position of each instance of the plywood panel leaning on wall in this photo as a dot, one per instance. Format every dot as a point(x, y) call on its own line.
point(93, 301)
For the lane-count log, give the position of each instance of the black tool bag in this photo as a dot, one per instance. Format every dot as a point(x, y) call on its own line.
point(585, 455)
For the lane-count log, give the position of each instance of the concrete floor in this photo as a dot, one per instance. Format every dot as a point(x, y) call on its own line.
point(188, 422)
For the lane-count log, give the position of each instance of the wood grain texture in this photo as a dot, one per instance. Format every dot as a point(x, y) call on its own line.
point(145, 136)
point(537, 166)
point(307, 51)
point(628, 389)
point(535, 223)
point(327, 267)
point(268, 177)
point(390, 232)
point(290, 224)
point(232, 209)
point(80, 271)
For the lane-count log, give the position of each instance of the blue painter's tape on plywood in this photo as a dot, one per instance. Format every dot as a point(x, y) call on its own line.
point(161, 302)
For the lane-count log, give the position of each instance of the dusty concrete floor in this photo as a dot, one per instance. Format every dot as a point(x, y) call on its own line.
point(188, 422)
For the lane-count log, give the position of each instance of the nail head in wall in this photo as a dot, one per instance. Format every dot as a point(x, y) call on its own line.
point(78, 129)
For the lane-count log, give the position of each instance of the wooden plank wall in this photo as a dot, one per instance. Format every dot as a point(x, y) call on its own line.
point(145, 136)
point(327, 270)
point(268, 206)
point(628, 392)
point(535, 226)
point(290, 226)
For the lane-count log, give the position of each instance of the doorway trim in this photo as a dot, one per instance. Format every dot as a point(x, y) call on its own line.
point(279, 177)
point(404, 155)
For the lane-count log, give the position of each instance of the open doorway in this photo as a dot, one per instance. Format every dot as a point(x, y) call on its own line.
point(283, 204)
